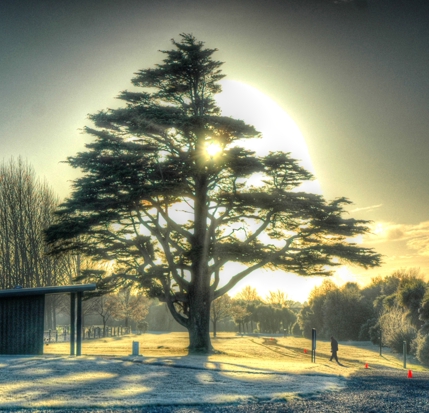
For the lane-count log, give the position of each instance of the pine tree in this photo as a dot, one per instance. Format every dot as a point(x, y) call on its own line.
point(166, 192)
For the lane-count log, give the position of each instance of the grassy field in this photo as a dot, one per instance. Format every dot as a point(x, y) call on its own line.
point(244, 369)
point(286, 355)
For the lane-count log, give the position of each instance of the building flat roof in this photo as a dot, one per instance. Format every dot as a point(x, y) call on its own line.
point(19, 292)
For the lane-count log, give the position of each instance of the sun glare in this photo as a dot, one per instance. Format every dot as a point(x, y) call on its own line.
point(213, 149)
point(279, 131)
point(379, 229)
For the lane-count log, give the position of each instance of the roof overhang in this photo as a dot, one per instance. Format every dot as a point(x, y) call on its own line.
point(61, 289)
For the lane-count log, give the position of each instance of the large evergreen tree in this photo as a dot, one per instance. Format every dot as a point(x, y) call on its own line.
point(156, 197)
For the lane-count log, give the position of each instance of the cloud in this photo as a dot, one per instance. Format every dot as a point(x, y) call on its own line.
point(420, 244)
point(415, 236)
point(368, 208)
point(395, 234)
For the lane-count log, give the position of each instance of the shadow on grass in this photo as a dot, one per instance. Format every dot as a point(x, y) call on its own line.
point(70, 382)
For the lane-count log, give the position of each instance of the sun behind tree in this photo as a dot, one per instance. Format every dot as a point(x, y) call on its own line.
point(172, 215)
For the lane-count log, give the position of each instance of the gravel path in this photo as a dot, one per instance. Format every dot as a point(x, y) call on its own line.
point(367, 391)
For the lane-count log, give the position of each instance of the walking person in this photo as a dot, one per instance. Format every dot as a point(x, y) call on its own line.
point(334, 349)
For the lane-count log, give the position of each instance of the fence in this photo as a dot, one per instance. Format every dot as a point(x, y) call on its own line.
point(54, 336)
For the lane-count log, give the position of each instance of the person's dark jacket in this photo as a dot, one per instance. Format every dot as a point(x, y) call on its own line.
point(334, 345)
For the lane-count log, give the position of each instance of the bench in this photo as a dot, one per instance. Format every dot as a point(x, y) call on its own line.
point(270, 340)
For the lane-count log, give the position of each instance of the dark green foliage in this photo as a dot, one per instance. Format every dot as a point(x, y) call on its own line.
point(288, 318)
point(422, 340)
point(389, 301)
point(171, 215)
point(269, 319)
point(364, 331)
point(374, 331)
point(389, 285)
point(422, 349)
point(252, 317)
point(240, 315)
point(311, 316)
point(345, 312)
point(410, 293)
point(307, 320)
point(341, 312)
point(403, 292)
point(142, 326)
point(424, 308)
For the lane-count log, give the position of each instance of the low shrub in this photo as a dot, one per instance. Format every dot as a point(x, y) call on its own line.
point(422, 349)
point(370, 331)
point(396, 329)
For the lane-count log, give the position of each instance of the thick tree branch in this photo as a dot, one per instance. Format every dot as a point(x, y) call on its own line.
point(238, 277)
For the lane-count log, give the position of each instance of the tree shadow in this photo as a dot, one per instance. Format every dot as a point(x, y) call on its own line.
point(79, 382)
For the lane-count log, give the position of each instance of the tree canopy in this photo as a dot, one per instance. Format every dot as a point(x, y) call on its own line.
point(170, 193)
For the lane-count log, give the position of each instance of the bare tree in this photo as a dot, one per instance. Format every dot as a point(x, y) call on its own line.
point(239, 314)
point(396, 329)
point(104, 306)
point(248, 294)
point(27, 207)
point(221, 309)
point(129, 306)
point(277, 298)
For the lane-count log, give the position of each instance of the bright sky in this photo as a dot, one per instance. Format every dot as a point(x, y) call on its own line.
point(346, 88)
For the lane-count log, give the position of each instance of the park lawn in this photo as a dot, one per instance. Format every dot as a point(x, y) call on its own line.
point(234, 351)
point(243, 369)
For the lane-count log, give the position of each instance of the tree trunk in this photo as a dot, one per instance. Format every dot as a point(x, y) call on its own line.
point(50, 314)
point(199, 324)
point(214, 328)
point(199, 294)
point(53, 315)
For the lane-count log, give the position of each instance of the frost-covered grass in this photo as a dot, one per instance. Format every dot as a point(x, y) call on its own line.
point(287, 355)
point(244, 369)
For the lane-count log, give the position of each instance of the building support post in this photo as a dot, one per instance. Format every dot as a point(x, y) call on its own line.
point(72, 322)
point(79, 325)
point(313, 345)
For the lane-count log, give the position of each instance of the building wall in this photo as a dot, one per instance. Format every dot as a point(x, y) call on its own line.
point(21, 325)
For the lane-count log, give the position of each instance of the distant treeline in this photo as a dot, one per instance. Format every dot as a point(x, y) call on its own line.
point(398, 305)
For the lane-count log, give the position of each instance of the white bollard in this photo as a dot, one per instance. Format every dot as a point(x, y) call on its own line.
point(135, 348)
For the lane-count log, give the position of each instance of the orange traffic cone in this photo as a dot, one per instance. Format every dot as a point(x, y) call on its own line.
point(410, 374)
point(305, 351)
point(366, 365)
